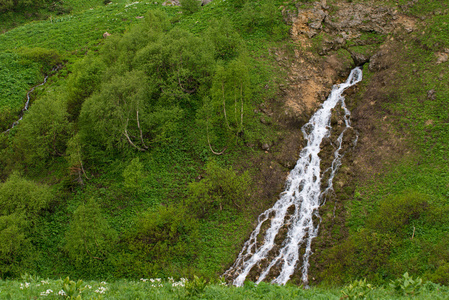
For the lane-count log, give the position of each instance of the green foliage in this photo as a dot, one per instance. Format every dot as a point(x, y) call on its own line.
point(89, 237)
point(225, 39)
point(358, 289)
point(72, 289)
point(363, 254)
point(190, 6)
point(74, 157)
point(43, 132)
point(121, 103)
point(16, 250)
point(21, 202)
point(397, 212)
point(22, 196)
point(441, 274)
point(406, 285)
point(195, 287)
point(16, 77)
point(84, 80)
point(159, 243)
point(250, 16)
point(160, 289)
point(238, 3)
point(225, 113)
point(75, 32)
point(221, 188)
point(174, 67)
point(48, 58)
point(133, 174)
point(6, 5)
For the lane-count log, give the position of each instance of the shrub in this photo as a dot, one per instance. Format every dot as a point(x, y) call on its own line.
point(221, 188)
point(394, 214)
point(21, 202)
point(133, 176)
point(89, 237)
point(441, 275)
point(406, 285)
point(47, 57)
point(160, 243)
point(359, 289)
point(364, 254)
point(190, 6)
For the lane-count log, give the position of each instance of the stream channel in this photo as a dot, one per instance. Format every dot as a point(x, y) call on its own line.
point(298, 206)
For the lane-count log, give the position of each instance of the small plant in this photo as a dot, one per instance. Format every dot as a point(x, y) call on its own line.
point(406, 285)
point(71, 289)
point(196, 286)
point(359, 289)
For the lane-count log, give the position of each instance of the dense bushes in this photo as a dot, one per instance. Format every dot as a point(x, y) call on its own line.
point(162, 243)
point(120, 140)
point(21, 202)
point(89, 236)
point(376, 251)
point(6, 5)
point(221, 188)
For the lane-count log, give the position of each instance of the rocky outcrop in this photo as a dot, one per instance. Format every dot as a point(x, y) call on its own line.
point(343, 35)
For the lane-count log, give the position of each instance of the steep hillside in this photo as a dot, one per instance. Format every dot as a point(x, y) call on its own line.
point(164, 131)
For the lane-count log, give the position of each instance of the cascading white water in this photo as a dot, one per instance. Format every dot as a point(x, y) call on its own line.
point(27, 103)
point(303, 193)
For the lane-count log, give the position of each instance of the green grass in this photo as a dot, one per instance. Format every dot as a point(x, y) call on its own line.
point(77, 32)
point(37, 288)
point(17, 74)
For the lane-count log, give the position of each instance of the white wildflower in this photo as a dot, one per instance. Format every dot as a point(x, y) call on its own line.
point(101, 290)
point(143, 279)
point(88, 286)
point(62, 293)
point(151, 279)
point(103, 282)
point(26, 285)
point(46, 293)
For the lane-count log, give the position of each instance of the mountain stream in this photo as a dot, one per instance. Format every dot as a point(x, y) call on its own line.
point(298, 206)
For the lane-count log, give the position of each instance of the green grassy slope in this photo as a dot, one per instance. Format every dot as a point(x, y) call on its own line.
point(394, 221)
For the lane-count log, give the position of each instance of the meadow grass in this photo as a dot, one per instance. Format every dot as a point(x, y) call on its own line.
point(180, 288)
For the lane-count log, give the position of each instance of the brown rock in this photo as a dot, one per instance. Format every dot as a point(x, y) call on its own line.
point(442, 57)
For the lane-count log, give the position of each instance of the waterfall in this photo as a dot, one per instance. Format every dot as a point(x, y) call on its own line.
point(298, 203)
point(27, 103)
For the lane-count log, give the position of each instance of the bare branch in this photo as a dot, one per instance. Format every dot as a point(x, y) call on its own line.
point(140, 130)
point(208, 140)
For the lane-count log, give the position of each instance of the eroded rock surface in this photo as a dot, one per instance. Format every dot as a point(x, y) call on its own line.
point(341, 30)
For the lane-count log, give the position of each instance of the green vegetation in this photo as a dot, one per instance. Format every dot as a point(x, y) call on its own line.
point(140, 156)
point(124, 131)
point(198, 288)
point(397, 218)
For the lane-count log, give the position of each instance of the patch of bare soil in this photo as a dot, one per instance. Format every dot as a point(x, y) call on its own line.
point(379, 140)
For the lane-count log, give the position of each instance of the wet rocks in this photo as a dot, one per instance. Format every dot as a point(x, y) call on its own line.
point(359, 58)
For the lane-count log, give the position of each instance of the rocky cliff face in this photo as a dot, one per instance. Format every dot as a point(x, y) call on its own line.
point(333, 39)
